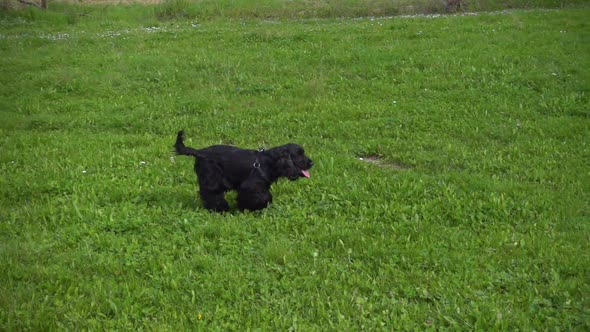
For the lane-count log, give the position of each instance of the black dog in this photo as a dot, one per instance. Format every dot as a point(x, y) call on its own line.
point(221, 168)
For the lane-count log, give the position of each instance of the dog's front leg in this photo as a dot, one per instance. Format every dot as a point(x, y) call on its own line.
point(214, 201)
point(253, 196)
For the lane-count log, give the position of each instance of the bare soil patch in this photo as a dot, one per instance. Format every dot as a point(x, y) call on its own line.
point(379, 161)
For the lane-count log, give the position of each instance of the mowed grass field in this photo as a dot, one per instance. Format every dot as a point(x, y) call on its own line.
point(450, 186)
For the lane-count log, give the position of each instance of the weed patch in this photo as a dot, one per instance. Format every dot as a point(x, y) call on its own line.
point(175, 9)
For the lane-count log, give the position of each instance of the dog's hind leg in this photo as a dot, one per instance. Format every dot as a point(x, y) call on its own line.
point(211, 186)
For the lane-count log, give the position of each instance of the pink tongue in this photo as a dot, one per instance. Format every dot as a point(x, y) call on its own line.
point(305, 173)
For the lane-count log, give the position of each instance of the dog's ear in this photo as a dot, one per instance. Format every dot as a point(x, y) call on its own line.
point(279, 153)
point(282, 160)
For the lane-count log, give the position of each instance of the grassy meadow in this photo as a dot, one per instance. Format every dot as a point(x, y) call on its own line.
point(450, 188)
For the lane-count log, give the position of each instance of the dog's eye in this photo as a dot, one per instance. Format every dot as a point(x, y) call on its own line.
point(300, 151)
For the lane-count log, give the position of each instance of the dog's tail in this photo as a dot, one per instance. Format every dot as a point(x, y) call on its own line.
point(180, 148)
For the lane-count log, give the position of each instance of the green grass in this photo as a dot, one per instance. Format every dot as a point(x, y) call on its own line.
point(475, 218)
point(107, 14)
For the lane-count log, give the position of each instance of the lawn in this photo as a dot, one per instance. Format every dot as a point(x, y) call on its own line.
point(450, 188)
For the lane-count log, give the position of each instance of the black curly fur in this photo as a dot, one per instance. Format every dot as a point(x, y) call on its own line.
point(221, 168)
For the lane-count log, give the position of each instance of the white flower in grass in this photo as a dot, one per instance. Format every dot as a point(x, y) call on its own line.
point(84, 171)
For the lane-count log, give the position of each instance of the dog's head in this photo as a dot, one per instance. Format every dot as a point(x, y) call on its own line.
point(290, 161)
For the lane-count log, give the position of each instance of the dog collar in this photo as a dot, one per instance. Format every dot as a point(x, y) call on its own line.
point(256, 166)
point(256, 162)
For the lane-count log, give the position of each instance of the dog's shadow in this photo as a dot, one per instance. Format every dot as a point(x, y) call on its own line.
point(168, 198)
point(181, 199)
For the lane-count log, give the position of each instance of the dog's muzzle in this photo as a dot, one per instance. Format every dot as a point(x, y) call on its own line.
point(305, 171)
